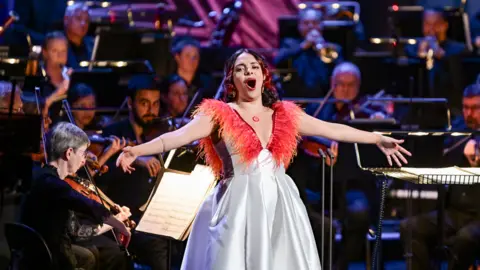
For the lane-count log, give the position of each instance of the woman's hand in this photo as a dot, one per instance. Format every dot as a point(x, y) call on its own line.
point(391, 148)
point(116, 145)
point(126, 158)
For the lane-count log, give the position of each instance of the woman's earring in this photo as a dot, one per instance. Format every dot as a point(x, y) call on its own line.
point(233, 94)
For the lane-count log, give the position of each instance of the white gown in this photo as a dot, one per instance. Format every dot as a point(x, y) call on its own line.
point(253, 220)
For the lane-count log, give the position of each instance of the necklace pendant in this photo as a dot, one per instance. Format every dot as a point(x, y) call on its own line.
point(255, 119)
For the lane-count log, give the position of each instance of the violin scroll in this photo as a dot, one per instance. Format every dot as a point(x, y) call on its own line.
point(94, 165)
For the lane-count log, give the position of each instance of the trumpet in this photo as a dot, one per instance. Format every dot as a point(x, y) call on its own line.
point(328, 52)
point(427, 48)
point(13, 17)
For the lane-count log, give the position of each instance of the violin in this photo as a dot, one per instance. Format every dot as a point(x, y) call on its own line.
point(361, 108)
point(87, 189)
point(95, 166)
point(98, 143)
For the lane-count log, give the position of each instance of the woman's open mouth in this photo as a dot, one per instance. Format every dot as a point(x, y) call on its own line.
point(250, 83)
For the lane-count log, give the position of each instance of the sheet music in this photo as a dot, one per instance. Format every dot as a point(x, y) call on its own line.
point(176, 201)
point(472, 170)
point(448, 175)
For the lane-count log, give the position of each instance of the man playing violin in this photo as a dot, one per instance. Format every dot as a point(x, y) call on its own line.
point(345, 82)
point(134, 190)
point(50, 202)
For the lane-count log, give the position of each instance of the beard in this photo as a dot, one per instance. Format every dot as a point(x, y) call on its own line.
point(471, 123)
point(141, 121)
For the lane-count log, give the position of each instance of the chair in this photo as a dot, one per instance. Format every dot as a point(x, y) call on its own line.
point(27, 248)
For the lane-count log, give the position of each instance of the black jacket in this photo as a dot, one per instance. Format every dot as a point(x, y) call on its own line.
point(47, 209)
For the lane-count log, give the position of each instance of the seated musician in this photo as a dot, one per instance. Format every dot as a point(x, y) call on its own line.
point(48, 205)
point(187, 58)
point(302, 55)
point(447, 66)
point(346, 84)
point(82, 96)
point(6, 96)
point(93, 244)
point(76, 22)
point(462, 212)
point(174, 96)
point(54, 54)
point(133, 190)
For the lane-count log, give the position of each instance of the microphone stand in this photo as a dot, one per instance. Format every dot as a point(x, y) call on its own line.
point(330, 248)
point(322, 154)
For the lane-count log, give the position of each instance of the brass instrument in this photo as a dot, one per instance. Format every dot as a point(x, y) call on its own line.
point(13, 17)
point(328, 52)
point(427, 48)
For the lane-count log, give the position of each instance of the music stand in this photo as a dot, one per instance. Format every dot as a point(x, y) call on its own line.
point(12, 68)
point(103, 82)
point(408, 22)
point(117, 45)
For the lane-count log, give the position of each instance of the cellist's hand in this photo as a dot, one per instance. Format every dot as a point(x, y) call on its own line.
point(126, 158)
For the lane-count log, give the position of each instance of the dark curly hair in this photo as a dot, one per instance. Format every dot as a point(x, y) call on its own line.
point(269, 93)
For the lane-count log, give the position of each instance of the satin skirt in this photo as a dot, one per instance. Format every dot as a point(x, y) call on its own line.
point(256, 221)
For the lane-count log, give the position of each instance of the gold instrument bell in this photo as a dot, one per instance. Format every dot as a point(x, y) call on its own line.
point(328, 52)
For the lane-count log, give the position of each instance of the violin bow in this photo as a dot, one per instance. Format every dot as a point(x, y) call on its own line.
point(42, 126)
point(68, 112)
point(322, 104)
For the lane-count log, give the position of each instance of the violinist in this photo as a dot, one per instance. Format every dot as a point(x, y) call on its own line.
point(48, 205)
point(82, 96)
point(134, 190)
point(462, 211)
point(174, 96)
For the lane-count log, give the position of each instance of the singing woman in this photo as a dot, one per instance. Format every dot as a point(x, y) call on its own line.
point(254, 219)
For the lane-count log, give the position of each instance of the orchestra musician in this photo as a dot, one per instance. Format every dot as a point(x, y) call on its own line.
point(76, 22)
point(82, 96)
point(186, 52)
point(174, 94)
point(312, 78)
point(134, 190)
point(54, 89)
point(462, 212)
point(48, 205)
point(446, 79)
point(345, 83)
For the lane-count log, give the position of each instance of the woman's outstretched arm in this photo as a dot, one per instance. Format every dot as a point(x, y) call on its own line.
point(200, 127)
point(310, 126)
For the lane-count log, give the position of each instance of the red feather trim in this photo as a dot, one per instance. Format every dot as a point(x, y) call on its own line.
point(285, 138)
point(237, 133)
